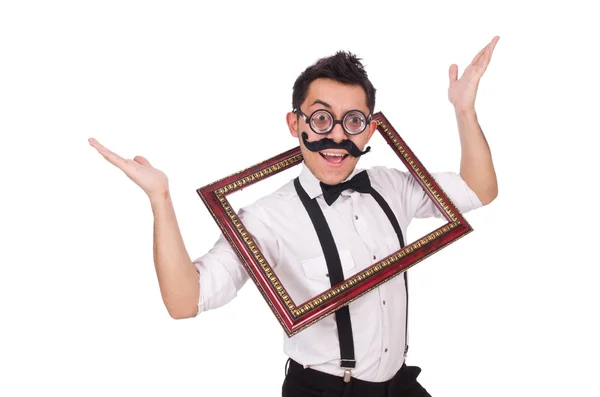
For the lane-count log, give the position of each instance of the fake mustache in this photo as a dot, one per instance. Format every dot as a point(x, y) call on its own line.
point(326, 143)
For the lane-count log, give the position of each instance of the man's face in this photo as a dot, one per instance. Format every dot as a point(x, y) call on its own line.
point(338, 99)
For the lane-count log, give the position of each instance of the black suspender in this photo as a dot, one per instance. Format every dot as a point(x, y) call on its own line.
point(388, 212)
point(336, 274)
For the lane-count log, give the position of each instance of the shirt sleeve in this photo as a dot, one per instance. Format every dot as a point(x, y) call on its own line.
point(417, 204)
point(455, 188)
point(221, 272)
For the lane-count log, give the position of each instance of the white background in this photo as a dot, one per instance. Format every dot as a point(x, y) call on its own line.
point(511, 309)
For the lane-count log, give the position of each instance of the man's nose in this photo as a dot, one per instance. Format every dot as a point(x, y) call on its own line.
point(337, 134)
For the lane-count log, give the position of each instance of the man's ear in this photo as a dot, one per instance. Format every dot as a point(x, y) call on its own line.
point(292, 122)
point(372, 127)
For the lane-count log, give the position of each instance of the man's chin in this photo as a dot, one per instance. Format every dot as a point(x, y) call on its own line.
point(334, 176)
point(330, 180)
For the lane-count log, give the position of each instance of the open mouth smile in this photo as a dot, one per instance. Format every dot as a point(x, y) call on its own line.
point(334, 158)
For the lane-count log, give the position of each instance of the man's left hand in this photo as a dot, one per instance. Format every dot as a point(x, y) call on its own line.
point(462, 92)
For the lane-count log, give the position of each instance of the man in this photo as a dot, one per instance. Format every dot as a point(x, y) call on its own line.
point(361, 350)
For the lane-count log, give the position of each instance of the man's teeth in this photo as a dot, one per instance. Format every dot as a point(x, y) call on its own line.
point(333, 154)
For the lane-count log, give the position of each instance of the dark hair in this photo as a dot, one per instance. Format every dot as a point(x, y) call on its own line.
point(343, 67)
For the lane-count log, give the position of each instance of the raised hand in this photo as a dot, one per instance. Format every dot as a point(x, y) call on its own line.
point(153, 181)
point(462, 92)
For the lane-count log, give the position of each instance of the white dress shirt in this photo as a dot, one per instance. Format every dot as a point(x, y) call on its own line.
point(363, 235)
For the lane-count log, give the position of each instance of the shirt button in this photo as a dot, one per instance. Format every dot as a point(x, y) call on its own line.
point(386, 350)
point(355, 216)
point(384, 302)
point(374, 257)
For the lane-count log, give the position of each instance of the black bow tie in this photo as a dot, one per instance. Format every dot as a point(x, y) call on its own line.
point(360, 183)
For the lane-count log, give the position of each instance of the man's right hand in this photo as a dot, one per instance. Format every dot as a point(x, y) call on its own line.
point(153, 181)
point(177, 275)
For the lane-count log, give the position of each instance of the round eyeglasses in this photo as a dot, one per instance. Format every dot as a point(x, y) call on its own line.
point(322, 122)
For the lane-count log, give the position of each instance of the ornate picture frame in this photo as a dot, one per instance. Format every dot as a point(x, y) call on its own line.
point(296, 316)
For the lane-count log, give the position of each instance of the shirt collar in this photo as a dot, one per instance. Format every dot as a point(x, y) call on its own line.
point(311, 183)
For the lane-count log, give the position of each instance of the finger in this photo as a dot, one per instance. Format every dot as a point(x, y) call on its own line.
point(476, 59)
point(142, 160)
point(453, 73)
point(484, 60)
point(487, 56)
point(490, 47)
point(493, 45)
point(485, 49)
point(471, 73)
point(112, 157)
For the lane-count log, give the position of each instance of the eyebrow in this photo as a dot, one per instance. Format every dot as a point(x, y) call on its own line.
point(322, 103)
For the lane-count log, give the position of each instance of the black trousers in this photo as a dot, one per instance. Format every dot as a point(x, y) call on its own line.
point(300, 382)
